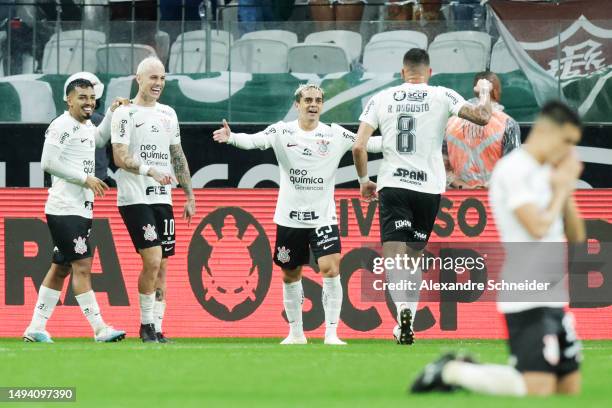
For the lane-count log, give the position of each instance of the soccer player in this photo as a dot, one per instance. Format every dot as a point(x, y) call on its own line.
point(69, 156)
point(308, 154)
point(532, 201)
point(147, 148)
point(412, 119)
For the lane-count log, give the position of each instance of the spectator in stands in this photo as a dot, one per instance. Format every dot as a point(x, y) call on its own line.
point(251, 12)
point(470, 151)
point(325, 11)
point(467, 14)
point(102, 153)
point(418, 10)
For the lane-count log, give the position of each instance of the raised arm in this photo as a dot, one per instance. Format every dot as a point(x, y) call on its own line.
point(481, 112)
point(538, 221)
point(260, 140)
point(183, 176)
point(104, 130)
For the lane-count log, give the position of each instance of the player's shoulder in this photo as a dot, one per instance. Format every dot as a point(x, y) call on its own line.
point(278, 128)
point(166, 109)
point(62, 121)
point(340, 131)
point(124, 110)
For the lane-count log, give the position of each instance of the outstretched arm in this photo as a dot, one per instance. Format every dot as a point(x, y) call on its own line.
point(260, 140)
point(181, 170)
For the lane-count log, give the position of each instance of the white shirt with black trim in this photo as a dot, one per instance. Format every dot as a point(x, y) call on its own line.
point(77, 144)
point(308, 162)
point(149, 132)
point(519, 179)
point(412, 120)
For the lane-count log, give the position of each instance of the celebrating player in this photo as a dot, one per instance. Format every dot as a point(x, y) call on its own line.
point(531, 197)
point(412, 119)
point(147, 147)
point(69, 156)
point(308, 153)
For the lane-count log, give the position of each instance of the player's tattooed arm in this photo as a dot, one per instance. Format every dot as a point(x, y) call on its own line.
point(181, 170)
point(481, 112)
point(126, 162)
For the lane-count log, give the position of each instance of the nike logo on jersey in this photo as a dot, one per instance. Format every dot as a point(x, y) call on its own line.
point(168, 249)
point(83, 140)
point(327, 246)
point(291, 144)
point(139, 124)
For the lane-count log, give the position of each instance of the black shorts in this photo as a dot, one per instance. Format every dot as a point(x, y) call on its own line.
point(150, 225)
point(543, 340)
point(70, 235)
point(292, 244)
point(407, 215)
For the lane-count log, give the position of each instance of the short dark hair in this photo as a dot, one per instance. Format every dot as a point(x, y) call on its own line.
point(78, 83)
point(560, 113)
point(488, 75)
point(416, 56)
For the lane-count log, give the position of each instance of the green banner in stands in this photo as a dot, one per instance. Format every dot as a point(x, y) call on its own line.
point(267, 98)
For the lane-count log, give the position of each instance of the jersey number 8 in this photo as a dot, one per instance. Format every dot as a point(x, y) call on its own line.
point(406, 138)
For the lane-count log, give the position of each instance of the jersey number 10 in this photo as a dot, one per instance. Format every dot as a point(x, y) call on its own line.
point(406, 138)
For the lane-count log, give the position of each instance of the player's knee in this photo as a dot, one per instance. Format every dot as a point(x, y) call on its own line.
point(60, 271)
point(330, 270)
point(151, 263)
point(292, 275)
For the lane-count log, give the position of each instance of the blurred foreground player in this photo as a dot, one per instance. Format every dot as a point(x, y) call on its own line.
point(412, 118)
point(532, 201)
point(146, 143)
point(69, 155)
point(308, 154)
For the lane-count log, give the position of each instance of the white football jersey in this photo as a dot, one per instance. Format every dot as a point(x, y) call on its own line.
point(308, 163)
point(149, 132)
point(412, 120)
point(77, 142)
point(519, 179)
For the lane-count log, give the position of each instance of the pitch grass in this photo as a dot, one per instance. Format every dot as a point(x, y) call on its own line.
point(261, 373)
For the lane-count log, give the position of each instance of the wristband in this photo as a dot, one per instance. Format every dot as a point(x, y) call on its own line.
point(364, 179)
point(144, 169)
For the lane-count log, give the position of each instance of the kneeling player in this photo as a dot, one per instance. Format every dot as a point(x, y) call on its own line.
point(308, 153)
point(531, 197)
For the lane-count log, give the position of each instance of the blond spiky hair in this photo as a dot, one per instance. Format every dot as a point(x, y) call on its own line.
point(303, 87)
point(146, 63)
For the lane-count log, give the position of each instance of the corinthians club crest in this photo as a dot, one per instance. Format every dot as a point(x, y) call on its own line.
point(230, 264)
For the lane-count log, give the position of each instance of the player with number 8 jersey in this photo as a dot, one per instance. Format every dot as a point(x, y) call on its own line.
point(412, 119)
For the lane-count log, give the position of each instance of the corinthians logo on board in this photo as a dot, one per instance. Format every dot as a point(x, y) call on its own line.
point(230, 263)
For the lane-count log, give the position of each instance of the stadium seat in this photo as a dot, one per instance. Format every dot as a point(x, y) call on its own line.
point(194, 54)
point(460, 51)
point(349, 40)
point(115, 58)
point(385, 51)
point(259, 56)
point(501, 60)
point(279, 35)
point(413, 39)
point(71, 56)
point(319, 59)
